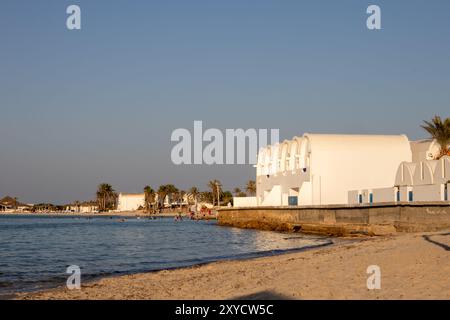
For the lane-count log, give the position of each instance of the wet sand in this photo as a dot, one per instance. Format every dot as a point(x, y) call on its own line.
point(413, 266)
point(99, 214)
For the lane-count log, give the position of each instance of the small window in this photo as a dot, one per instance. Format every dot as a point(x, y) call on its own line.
point(293, 200)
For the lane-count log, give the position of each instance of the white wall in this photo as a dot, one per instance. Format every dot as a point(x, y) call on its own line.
point(423, 150)
point(244, 202)
point(324, 168)
point(423, 172)
point(404, 193)
point(353, 196)
point(130, 202)
point(385, 194)
point(355, 162)
point(433, 192)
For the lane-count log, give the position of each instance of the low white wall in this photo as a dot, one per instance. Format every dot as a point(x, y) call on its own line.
point(433, 192)
point(353, 196)
point(130, 202)
point(244, 202)
point(366, 195)
point(385, 195)
point(404, 191)
point(273, 198)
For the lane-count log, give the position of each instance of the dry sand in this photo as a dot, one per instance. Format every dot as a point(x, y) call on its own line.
point(413, 266)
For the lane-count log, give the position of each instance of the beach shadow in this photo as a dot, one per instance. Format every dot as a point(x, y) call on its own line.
point(440, 244)
point(263, 295)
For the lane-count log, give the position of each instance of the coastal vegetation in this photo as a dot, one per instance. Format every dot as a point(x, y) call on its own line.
point(251, 187)
point(167, 190)
point(150, 196)
point(216, 189)
point(106, 197)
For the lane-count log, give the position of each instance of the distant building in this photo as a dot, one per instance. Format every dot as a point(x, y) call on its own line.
point(130, 201)
point(84, 207)
point(9, 204)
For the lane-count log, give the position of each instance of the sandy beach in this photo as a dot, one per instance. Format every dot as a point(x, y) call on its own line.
point(413, 266)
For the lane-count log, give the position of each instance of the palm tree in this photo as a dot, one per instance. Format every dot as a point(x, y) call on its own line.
point(106, 197)
point(239, 193)
point(251, 187)
point(77, 205)
point(164, 191)
point(149, 197)
point(440, 131)
point(194, 192)
point(216, 190)
point(172, 192)
point(206, 196)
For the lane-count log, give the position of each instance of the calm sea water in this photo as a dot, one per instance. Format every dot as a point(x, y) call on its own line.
point(36, 251)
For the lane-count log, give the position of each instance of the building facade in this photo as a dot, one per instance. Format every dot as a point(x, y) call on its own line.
point(130, 201)
point(320, 169)
point(415, 181)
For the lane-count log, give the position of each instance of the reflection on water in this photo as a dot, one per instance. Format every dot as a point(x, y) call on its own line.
point(35, 251)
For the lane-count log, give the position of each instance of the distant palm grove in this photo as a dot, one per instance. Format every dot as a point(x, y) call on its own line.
point(154, 199)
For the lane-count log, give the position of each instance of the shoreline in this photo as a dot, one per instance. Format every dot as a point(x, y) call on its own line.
point(106, 214)
point(419, 271)
point(241, 257)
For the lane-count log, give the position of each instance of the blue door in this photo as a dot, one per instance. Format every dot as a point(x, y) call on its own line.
point(360, 198)
point(398, 196)
point(371, 197)
point(410, 196)
point(293, 200)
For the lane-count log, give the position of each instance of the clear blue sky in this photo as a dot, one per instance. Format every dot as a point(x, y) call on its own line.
point(98, 105)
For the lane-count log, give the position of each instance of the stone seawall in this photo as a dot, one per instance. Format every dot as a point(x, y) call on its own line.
point(342, 220)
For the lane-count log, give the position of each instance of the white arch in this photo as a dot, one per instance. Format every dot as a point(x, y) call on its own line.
point(260, 161)
point(283, 154)
point(294, 152)
point(442, 172)
point(274, 159)
point(424, 173)
point(405, 173)
point(304, 153)
point(267, 160)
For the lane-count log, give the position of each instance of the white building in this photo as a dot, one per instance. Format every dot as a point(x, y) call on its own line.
point(427, 149)
point(320, 169)
point(419, 181)
point(85, 207)
point(130, 201)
